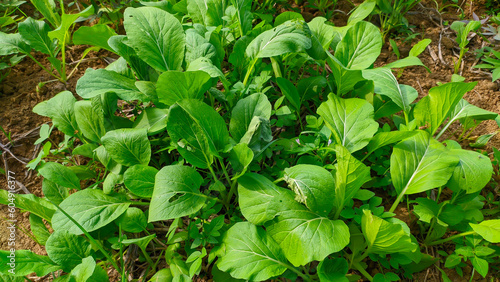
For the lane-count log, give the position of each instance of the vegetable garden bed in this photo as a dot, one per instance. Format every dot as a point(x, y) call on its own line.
point(271, 140)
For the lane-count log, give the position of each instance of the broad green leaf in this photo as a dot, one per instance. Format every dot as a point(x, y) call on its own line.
point(156, 36)
point(85, 270)
point(290, 92)
point(29, 202)
point(480, 265)
point(343, 78)
point(198, 131)
point(420, 163)
point(142, 242)
point(206, 12)
point(62, 32)
point(176, 193)
point(101, 81)
point(198, 46)
point(384, 237)
point(387, 84)
point(241, 157)
point(91, 208)
point(48, 9)
point(243, 11)
point(12, 43)
point(119, 44)
point(433, 109)
point(255, 105)
point(67, 249)
point(258, 136)
point(133, 220)
point(406, 62)
point(26, 263)
point(361, 12)
point(53, 191)
point(140, 180)
point(60, 109)
point(128, 146)
point(96, 35)
point(110, 182)
point(418, 48)
point(333, 270)
point(152, 119)
point(465, 110)
point(60, 175)
point(488, 229)
point(163, 275)
point(104, 157)
point(305, 236)
point(287, 16)
point(323, 32)
point(289, 37)
point(385, 138)
point(90, 123)
point(350, 175)
point(313, 186)
point(351, 121)
point(39, 229)
point(360, 46)
point(250, 253)
point(472, 173)
point(36, 34)
point(259, 198)
point(204, 64)
point(173, 86)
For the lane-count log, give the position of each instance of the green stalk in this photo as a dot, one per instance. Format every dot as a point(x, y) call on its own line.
point(395, 205)
point(40, 65)
point(249, 71)
point(363, 271)
point(121, 251)
point(437, 242)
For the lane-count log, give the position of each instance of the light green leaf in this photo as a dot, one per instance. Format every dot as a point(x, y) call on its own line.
point(152, 119)
point(140, 180)
point(418, 48)
point(96, 35)
point(133, 220)
point(104, 157)
point(343, 78)
point(351, 121)
point(60, 109)
point(313, 186)
point(255, 105)
point(26, 263)
point(12, 43)
point(204, 64)
point(405, 62)
point(350, 175)
point(433, 109)
point(39, 229)
point(305, 236)
point(250, 253)
point(29, 202)
point(480, 265)
point(287, 16)
point(472, 173)
point(360, 46)
point(488, 229)
point(290, 92)
point(85, 270)
point(62, 33)
point(206, 12)
point(91, 208)
point(60, 174)
point(156, 36)
point(128, 146)
point(89, 121)
point(67, 249)
point(101, 81)
point(182, 183)
point(240, 157)
point(173, 86)
point(322, 31)
point(382, 139)
point(333, 270)
point(289, 37)
point(53, 191)
point(387, 84)
point(36, 34)
point(384, 237)
point(198, 46)
point(361, 12)
point(465, 110)
point(198, 130)
point(48, 9)
point(259, 198)
point(420, 163)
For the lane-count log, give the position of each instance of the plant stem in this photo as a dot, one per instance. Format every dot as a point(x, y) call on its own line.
point(40, 65)
point(395, 205)
point(362, 270)
point(249, 71)
point(437, 242)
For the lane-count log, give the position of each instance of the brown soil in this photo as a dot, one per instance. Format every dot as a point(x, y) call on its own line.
point(19, 93)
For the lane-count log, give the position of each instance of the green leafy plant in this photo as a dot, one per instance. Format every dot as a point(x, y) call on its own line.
point(491, 62)
point(269, 169)
point(462, 29)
